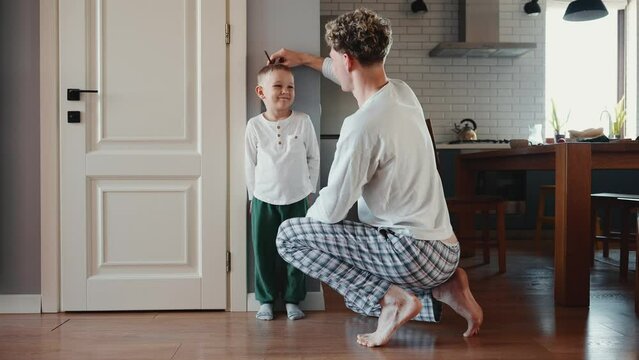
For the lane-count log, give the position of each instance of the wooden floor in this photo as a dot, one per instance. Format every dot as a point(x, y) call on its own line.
point(520, 323)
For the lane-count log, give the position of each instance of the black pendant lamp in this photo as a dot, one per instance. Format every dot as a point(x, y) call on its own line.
point(532, 8)
point(418, 5)
point(584, 10)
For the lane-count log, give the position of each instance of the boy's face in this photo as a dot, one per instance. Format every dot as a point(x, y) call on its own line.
point(277, 90)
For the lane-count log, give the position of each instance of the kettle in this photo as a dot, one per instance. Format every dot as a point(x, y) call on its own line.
point(466, 130)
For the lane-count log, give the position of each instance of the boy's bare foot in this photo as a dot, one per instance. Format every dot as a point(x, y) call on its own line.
point(456, 293)
point(398, 307)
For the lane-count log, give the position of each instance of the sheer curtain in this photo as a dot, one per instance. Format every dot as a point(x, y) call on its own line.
point(581, 67)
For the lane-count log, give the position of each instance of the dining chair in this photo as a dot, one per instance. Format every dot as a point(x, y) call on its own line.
point(545, 191)
point(633, 203)
point(483, 205)
point(612, 204)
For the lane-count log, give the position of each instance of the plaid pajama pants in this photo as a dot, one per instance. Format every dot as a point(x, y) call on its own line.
point(361, 262)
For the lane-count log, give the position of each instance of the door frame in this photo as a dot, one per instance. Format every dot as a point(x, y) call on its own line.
point(50, 159)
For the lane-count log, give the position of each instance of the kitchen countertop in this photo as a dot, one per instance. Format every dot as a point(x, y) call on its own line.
point(478, 146)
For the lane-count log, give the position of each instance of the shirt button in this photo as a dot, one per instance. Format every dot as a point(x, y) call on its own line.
point(278, 135)
point(278, 126)
point(279, 142)
point(296, 136)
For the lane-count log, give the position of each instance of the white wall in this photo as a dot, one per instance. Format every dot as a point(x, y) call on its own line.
point(19, 147)
point(275, 24)
point(503, 95)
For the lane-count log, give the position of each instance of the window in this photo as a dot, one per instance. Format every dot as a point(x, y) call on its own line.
point(582, 74)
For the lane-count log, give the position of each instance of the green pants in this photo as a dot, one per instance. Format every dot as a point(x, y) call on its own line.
point(272, 274)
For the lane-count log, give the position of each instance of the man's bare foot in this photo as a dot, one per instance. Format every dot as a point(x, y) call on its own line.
point(456, 293)
point(398, 307)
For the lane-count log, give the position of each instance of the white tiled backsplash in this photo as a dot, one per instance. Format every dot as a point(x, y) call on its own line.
point(502, 95)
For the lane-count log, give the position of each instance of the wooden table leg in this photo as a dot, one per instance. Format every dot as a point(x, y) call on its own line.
point(572, 224)
point(637, 267)
point(623, 243)
point(501, 236)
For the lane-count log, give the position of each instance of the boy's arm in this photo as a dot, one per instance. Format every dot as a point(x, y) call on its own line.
point(250, 159)
point(312, 154)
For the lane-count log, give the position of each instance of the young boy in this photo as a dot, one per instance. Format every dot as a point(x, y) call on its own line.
point(282, 168)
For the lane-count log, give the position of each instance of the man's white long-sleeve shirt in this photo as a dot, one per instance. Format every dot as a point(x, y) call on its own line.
point(385, 161)
point(281, 158)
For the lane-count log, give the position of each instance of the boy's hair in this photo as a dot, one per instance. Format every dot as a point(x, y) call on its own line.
point(269, 69)
point(362, 34)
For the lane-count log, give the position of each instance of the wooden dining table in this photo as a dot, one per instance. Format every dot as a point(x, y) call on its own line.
point(573, 164)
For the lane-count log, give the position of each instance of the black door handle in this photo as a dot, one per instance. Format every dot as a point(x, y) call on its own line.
point(74, 94)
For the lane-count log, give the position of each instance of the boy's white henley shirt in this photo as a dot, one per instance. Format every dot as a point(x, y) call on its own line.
point(281, 159)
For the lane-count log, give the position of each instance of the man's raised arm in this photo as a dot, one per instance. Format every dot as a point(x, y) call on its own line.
point(292, 58)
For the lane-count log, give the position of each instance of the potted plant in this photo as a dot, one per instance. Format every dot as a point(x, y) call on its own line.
point(556, 123)
point(617, 127)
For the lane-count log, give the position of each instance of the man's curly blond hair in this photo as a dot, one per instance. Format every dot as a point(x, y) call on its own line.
point(362, 34)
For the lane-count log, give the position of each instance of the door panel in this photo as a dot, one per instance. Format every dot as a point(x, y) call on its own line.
point(143, 175)
point(144, 227)
point(144, 294)
point(146, 77)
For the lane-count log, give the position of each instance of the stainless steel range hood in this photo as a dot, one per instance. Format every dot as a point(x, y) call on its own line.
point(479, 34)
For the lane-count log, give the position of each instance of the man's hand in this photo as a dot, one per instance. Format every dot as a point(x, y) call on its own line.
point(292, 58)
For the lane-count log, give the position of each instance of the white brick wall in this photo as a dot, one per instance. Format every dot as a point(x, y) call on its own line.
point(503, 95)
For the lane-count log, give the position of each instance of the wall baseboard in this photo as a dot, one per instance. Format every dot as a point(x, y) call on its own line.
point(314, 301)
point(20, 304)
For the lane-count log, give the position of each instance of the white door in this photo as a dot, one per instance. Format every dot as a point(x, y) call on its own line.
point(144, 172)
